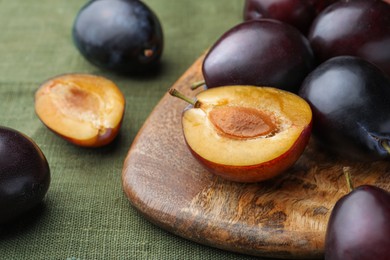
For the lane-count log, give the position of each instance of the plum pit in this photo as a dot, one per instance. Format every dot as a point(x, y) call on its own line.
point(242, 122)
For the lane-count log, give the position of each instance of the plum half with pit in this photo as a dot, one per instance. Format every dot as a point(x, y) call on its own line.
point(356, 28)
point(24, 174)
point(350, 100)
point(123, 36)
point(246, 133)
point(262, 52)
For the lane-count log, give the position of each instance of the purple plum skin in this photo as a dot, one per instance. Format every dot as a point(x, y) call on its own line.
point(359, 226)
point(24, 174)
point(123, 36)
point(262, 52)
point(356, 28)
point(348, 97)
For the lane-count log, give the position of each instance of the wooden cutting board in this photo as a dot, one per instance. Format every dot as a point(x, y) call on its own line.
point(283, 218)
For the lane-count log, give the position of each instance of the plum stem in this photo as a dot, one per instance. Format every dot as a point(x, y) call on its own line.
point(385, 144)
point(347, 174)
point(176, 93)
point(196, 85)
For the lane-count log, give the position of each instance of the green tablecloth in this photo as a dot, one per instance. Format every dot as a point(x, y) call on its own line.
point(85, 213)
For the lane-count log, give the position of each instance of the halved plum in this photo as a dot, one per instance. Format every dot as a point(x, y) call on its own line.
point(84, 109)
point(247, 133)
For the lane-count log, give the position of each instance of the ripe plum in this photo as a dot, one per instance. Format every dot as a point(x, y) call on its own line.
point(24, 174)
point(358, 227)
point(124, 36)
point(261, 52)
point(357, 28)
point(350, 100)
point(297, 13)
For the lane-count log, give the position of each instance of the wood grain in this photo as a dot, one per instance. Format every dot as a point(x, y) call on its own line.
point(283, 218)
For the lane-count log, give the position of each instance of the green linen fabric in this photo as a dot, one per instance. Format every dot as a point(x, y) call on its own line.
point(85, 214)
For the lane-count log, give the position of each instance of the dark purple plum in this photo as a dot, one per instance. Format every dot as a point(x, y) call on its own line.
point(24, 174)
point(350, 100)
point(320, 5)
point(261, 52)
point(359, 226)
point(297, 13)
point(357, 28)
point(123, 36)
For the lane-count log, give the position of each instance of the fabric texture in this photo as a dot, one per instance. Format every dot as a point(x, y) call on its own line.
point(85, 214)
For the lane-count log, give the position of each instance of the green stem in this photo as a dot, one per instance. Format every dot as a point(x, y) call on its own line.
point(347, 175)
point(196, 85)
point(176, 93)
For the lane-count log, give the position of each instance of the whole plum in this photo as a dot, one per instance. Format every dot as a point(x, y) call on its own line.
point(358, 226)
point(123, 36)
point(357, 28)
point(261, 52)
point(297, 13)
point(24, 174)
point(350, 100)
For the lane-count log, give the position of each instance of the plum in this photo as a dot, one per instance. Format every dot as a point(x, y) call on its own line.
point(246, 133)
point(357, 28)
point(297, 13)
point(84, 109)
point(261, 52)
point(350, 100)
point(358, 226)
point(123, 36)
point(24, 174)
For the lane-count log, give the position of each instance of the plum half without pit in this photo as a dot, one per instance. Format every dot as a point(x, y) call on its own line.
point(246, 133)
point(84, 109)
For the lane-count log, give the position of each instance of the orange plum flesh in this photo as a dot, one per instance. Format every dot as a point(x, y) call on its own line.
point(247, 133)
point(84, 109)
